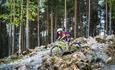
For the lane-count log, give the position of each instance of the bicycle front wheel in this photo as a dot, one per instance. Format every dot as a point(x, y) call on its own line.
point(56, 50)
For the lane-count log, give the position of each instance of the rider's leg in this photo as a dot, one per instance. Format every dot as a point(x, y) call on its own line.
point(66, 43)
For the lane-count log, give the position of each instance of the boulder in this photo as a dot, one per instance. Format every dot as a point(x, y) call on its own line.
point(22, 68)
point(79, 56)
point(100, 39)
point(81, 40)
point(108, 67)
point(91, 40)
point(110, 37)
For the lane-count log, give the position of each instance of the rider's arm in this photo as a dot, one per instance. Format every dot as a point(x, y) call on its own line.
point(59, 37)
point(64, 35)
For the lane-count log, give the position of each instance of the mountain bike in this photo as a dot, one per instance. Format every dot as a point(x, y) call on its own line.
point(60, 47)
point(56, 48)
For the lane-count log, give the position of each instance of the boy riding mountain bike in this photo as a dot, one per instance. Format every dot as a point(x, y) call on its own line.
point(64, 44)
point(63, 36)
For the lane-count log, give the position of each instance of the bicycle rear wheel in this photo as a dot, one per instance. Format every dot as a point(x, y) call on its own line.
point(56, 50)
point(77, 46)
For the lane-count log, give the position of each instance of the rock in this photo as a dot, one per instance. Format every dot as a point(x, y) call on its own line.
point(22, 68)
point(108, 67)
point(15, 57)
point(110, 49)
point(49, 46)
point(111, 60)
point(37, 49)
point(74, 67)
point(27, 51)
point(79, 56)
point(81, 40)
point(95, 46)
point(86, 50)
point(95, 53)
point(40, 48)
point(100, 39)
point(110, 37)
point(56, 61)
point(2, 61)
point(91, 40)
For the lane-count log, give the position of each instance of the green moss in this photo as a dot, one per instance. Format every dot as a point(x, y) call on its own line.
point(15, 57)
point(12, 58)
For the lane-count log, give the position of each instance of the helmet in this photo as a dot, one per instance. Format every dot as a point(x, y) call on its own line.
point(59, 29)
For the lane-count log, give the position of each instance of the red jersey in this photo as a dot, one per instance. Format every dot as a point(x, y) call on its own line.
point(63, 34)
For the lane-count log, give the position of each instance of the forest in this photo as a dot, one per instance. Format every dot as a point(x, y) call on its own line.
point(29, 24)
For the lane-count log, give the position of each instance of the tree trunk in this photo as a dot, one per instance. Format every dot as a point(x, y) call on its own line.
point(55, 27)
point(20, 31)
point(20, 39)
point(88, 33)
point(38, 26)
point(110, 29)
point(47, 25)
point(75, 21)
point(52, 34)
point(106, 17)
point(65, 16)
point(27, 24)
point(10, 38)
point(23, 37)
point(13, 27)
point(3, 39)
point(13, 38)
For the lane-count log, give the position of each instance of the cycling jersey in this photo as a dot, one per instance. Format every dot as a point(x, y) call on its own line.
point(64, 36)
